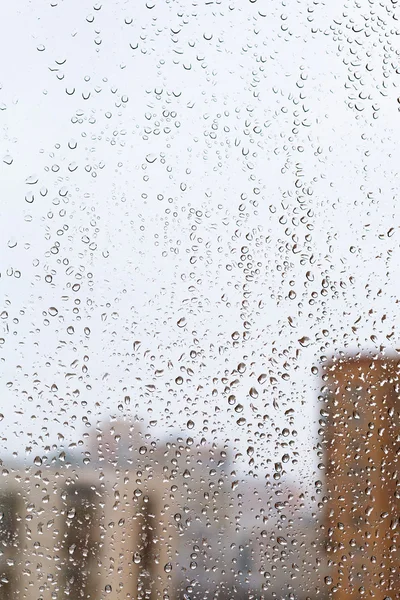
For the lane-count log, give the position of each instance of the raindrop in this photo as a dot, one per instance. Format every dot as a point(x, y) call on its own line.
point(281, 541)
point(32, 179)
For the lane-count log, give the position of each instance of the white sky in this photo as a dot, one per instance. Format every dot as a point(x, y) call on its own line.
point(209, 96)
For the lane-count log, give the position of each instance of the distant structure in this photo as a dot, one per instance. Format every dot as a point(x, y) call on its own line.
point(362, 425)
point(123, 522)
point(142, 519)
point(73, 533)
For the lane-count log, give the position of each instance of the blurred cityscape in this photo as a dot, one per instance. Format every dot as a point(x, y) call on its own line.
point(134, 518)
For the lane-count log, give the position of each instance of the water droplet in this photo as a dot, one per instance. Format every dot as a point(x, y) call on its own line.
point(281, 541)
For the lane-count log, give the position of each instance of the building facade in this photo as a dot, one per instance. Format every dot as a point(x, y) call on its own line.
point(83, 533)
point(362, 437)
point(135, 519)
point(145, 519)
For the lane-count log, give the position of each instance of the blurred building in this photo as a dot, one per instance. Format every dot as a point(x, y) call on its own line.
point(137, 518)
point(131, 518)
point(85, 533)
point(279, 543)
point(361, 418)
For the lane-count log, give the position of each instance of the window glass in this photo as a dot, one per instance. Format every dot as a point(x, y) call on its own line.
point(199, 268)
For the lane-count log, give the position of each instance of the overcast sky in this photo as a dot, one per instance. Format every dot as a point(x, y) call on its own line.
point(174, 173)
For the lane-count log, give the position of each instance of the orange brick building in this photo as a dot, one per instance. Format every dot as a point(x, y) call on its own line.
point(362, 425)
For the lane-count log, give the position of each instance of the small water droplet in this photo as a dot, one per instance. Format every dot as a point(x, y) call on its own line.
point(32, 179)
point(304, 341)
point(281, 541)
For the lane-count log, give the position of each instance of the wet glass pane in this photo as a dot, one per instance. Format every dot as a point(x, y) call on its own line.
point(199, 269)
